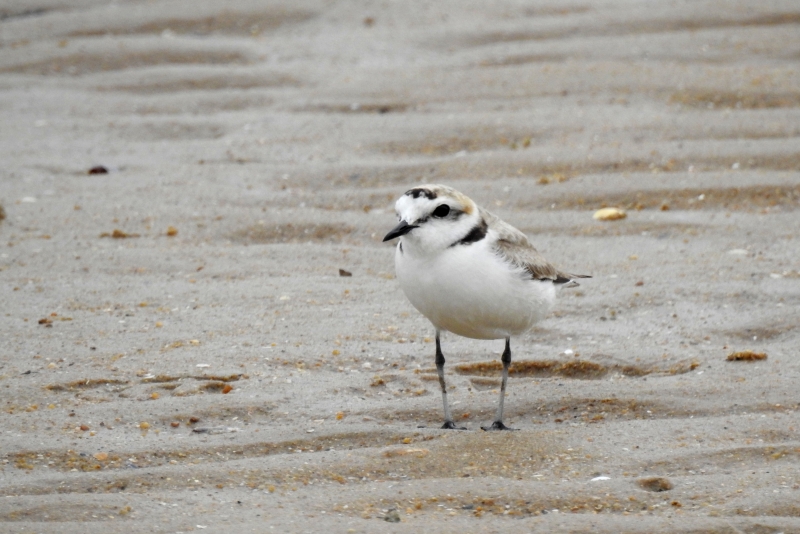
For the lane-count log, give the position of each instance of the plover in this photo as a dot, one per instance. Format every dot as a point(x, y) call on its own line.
point(470, 273)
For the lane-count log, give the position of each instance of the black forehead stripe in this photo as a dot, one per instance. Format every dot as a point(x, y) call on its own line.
point(477, 233)
point(421, 191)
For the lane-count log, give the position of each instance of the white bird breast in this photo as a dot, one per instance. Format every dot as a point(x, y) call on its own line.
point(471, 291)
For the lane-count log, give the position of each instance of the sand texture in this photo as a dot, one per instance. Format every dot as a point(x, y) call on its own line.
point(200, 328)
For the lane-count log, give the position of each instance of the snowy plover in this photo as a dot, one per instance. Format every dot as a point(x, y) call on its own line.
point(471, 274)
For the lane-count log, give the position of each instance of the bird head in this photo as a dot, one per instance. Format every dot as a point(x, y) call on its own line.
point(433, 217)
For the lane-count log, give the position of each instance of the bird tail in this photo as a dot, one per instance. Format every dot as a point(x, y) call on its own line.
point(569, 280)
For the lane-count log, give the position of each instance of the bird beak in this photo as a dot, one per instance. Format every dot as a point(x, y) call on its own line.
point(401, 229)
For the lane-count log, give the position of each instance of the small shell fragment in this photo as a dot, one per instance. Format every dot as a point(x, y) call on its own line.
point(609, 214)
point(98, 169)
point(746, 356)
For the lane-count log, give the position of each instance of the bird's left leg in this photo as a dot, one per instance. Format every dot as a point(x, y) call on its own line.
point(448, 419)
point(498, 420)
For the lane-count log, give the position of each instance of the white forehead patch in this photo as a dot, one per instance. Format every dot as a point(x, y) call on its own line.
point(412, 209)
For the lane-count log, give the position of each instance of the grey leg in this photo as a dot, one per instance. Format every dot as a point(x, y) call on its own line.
point(498, 420)
point(448, 419)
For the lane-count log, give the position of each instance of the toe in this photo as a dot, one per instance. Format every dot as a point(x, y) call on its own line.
point(497, 425)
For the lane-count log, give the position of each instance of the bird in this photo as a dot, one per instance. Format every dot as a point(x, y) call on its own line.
point(470, 273)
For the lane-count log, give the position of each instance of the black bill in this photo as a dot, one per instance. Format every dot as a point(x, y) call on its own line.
point(401, 229)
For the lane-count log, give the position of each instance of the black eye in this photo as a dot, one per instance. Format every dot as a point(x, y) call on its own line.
point(441, 211)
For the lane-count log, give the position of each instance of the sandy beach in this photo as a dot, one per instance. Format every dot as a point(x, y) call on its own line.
point(201, 329)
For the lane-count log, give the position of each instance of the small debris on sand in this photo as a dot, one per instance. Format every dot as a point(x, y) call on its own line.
point(746, 356)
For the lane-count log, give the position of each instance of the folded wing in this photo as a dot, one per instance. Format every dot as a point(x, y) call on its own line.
point(514, 246)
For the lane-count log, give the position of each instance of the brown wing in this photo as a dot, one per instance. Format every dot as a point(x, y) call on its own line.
point(514, 246)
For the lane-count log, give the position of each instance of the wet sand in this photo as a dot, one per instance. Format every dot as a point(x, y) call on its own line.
point(183, 348)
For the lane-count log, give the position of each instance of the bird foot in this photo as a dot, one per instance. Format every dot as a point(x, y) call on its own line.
point(449, 425)
point(497, 425)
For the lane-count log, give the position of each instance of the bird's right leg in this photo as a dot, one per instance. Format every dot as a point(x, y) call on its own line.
point(448, 419)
